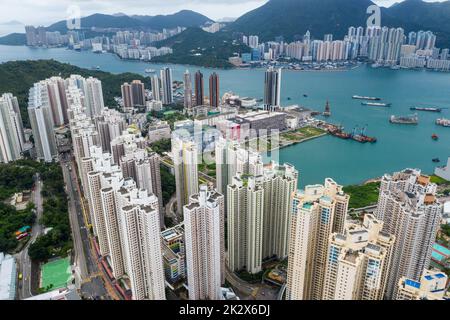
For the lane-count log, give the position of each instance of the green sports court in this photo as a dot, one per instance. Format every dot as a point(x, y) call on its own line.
point(56, 273)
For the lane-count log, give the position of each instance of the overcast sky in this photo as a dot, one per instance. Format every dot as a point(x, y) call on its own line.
point(48, 11)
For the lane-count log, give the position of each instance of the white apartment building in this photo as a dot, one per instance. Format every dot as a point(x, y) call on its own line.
point(408, 207)
point(317, 211)
point(110, 125)
point(245, 214)
point(358, 261)
point(12, 138)
point(92, 91)
point(143, 167)
point(432, 286)
point(202, 220)
point(140, 231)
point(185, 160)
point(41, 119)
point(280, 183)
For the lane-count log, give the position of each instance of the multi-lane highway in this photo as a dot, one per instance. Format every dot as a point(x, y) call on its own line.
point(22, 258)
point(81, 267)
point(90, 279)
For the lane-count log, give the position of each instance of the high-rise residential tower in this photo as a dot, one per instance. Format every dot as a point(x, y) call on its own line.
point(410, 211)
point(133, 94)
point(315, 213)
point(144, 167)
point(272, 89)
point(245, 214)
point(92, 91)
point(202, 220)
point(199, 89)
point(166, 81)
point(41, 119)
point(214, 90)
point(127, 97)
point(358, 262)
point(138, 93)
point(279, 184)
point(140, 231)
point(156, 88)
point(12, 138)
point(185, 162)
point(110, 125)
point(187, 90)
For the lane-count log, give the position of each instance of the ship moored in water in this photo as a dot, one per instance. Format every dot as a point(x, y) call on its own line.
point(356, 135)
point(366, 98)
point(443, 122)
point(411, 119)
point(376, 104)
point(429, 109)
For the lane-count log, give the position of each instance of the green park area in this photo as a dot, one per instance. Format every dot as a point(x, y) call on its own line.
point(363, 195)
point(302, 134)
point(55, 274)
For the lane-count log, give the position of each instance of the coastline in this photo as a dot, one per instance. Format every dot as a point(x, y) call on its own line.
point(341, 70)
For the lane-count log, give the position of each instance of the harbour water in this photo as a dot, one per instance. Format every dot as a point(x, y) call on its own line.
point(348, 162)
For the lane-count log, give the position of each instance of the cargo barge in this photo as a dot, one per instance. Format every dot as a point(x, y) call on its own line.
point(411, 119)
point(376, 104)
point(366, 98)
point(429, 109)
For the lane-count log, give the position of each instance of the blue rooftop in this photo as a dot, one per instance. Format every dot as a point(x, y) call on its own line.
point(412, 283)
point(307, 205)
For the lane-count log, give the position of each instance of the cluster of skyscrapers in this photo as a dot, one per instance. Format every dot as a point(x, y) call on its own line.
point(194, 95)
point(253, 213)
point(37, 37)
point(121, 182)
point(330, 258)
point(329, 255)
point(381, 45)
point(135, 96)
point(126, 44)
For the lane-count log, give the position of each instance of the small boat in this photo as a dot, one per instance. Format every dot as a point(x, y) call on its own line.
point(436, 160)
point(150, 71)
point(435, 136)
point(305, 95)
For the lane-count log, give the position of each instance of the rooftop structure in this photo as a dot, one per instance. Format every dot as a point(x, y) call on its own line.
point(8, 273)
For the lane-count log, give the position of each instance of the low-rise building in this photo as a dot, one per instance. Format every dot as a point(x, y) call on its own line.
point(432, 286)
point(263, 121)
point(158, 132)
point(8, 275)
point(173, 251)
point(58, 294)
point(443, 172)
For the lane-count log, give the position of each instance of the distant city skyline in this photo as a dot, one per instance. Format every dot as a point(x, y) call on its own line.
point(46, 12)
